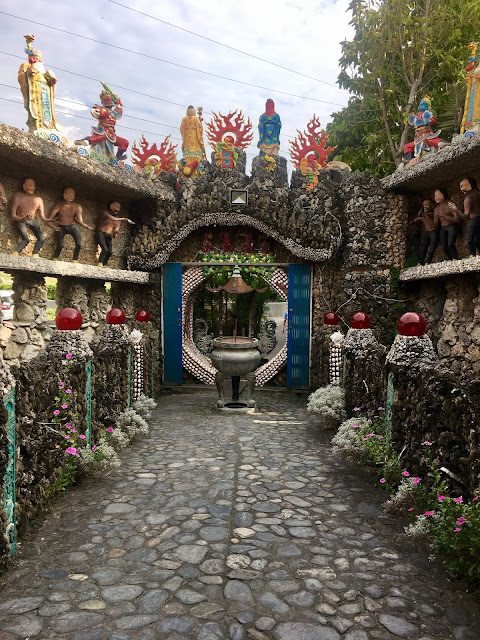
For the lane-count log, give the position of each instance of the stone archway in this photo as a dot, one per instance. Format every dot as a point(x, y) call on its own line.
point(196, 362)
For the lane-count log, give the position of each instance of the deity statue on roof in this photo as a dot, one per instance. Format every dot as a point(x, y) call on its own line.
point(38, 90)
point(192, 136)
point(471, 113)
point(426, 139)
point(104, 134)
point(269, 126)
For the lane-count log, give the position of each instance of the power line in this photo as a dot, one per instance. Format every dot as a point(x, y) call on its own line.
point(76, 115)
point(245, 53)
point(142, 131)
point(114, 84)
point(82, 104)
point(126, 115)
point(175, 64)
point(81, 75)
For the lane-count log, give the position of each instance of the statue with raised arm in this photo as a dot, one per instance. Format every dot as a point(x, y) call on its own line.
point(431, 234)
point(104, 133)
point(269, 126)
point(38, 90)
point(107, 228)
point(68, 213)
point(23, 209)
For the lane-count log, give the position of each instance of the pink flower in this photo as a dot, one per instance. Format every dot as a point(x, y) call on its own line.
point(71, 451)
point(64, 406)
point(406, 474)
point(82, 437)
point(416, 480)
point(68, 356)
point(475, 498)
point(68, 425)
point(73, 430)
point(94, 448)
point(369, 435)
point(457, 529)
point(381, 408)
point(355, 426)
point(67, 435)
point(68, 391)
point(429, 513)
point(460, 521)
point(110, 429)
point(56, 412)
point(411, 509)
point(363, 438)
point(61, 385)
point(426, 443)
point(382, 480)
point(440, 498)
point(459, 499)
point(356, 408)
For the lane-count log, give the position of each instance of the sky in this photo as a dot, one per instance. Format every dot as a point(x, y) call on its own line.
point(305, 37)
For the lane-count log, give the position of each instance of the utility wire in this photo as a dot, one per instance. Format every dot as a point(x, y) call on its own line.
point(82, 104)
point(126, 115)
point(245, 53)
point(76, 115)
point(175, 64)
point(81, 75)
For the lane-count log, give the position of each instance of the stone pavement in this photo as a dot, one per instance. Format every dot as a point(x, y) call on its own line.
point(229, 528)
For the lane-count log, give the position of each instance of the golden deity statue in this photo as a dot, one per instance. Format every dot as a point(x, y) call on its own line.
point(192, 135)
point(38, 90)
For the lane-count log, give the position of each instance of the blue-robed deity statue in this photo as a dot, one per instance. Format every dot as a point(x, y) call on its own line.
point(269, 127)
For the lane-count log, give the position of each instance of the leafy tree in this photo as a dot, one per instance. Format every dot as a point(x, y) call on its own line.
point(402, 50)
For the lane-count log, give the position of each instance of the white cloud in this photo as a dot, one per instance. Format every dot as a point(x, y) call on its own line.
point(66, 102)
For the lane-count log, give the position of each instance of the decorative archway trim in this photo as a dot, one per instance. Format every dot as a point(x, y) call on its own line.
point(229, 219)
point(196, 362)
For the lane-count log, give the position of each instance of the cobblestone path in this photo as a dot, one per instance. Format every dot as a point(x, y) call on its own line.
point(228, 528)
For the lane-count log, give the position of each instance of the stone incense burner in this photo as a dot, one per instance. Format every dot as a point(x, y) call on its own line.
point(235, 356)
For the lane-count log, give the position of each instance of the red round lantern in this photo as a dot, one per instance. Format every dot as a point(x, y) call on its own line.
point(68, 320)
point(411, 324)
point(330, 318)
point(142, 316)
point(360, 320)
point(115, 316)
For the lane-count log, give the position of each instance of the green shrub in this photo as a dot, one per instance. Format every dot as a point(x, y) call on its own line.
point(51, 291)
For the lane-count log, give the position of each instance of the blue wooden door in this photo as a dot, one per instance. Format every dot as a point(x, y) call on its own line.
point(298, 345)
point(172, 323)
